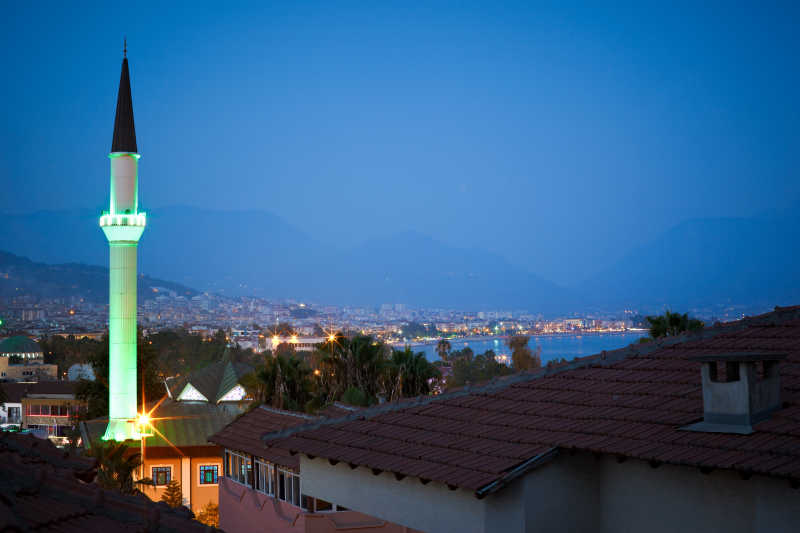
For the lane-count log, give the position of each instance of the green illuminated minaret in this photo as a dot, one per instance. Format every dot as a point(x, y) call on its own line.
point(123, 225)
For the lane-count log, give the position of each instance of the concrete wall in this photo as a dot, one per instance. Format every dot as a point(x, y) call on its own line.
point(572, 493)
point(635, 497)
point(431, 507)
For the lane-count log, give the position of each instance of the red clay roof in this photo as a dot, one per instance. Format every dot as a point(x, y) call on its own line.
point(43, 488)
point(629, 402)
point(244, 434)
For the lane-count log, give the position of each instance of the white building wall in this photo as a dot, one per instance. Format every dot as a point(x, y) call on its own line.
point(431, 507)
point(572, 493)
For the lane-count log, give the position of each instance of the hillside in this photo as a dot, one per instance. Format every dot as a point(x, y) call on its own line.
point(20, 276)
point(257, 253)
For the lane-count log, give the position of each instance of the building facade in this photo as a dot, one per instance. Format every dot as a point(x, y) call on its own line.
point(262, 488)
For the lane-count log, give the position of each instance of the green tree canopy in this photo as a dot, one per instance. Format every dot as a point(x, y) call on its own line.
point(670, 324)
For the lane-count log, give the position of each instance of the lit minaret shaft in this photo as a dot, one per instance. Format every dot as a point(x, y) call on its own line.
point(123, 225)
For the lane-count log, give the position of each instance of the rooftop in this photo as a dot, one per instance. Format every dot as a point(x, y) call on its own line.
point(16, 391)
point(631, 402)
point(212, 381)
point(43, 488)
point(19, 344)
point(179, 424)
point(244, 434)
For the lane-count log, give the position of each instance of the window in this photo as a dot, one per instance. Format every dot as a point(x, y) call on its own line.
point(265, 473)
point(288, 486)
point(161, 474)
point(238, 468)
point(208, 474)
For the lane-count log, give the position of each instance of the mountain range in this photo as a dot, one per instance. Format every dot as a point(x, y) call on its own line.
point(20, 276)
point(697, 262)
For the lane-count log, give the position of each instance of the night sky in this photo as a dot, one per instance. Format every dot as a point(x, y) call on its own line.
point(556, 136)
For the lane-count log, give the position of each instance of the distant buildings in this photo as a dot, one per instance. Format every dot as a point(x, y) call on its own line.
point(46, 407)
point(21, 359)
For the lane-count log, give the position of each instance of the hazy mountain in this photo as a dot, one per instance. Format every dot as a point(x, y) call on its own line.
point(698, 262)
point(254, 252)
point(20, 276)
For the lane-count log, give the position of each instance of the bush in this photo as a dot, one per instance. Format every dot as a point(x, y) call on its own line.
point(355, 396)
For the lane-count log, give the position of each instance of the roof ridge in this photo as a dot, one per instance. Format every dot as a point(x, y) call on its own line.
point(287, 412)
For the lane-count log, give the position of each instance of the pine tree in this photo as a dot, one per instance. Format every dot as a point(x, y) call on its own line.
point(172, 495)
point(209, 515)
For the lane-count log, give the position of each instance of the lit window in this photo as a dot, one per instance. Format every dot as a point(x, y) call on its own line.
point(162, 474)
point(208, 474)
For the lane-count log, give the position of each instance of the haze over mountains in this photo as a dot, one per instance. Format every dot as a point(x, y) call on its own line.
point(699, 262)
point(21, 276)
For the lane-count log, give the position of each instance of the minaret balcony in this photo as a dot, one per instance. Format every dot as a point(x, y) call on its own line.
point(123, 228)
point(138, 219)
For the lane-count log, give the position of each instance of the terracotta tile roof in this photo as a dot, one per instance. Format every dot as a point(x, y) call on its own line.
point(45, 488)
point(628, 402)
point(244, 434)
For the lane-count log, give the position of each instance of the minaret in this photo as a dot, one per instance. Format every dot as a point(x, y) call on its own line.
point(123, 225)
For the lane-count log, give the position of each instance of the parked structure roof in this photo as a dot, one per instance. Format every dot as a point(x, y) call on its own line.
point(43, 488)
point(244, 434)
point(631, 402)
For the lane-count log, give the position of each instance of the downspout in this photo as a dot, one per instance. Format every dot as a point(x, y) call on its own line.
point(518, 471)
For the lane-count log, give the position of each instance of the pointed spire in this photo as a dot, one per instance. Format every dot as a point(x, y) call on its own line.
point(124, 131)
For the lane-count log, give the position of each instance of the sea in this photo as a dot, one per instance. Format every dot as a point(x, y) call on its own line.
point(553, 346)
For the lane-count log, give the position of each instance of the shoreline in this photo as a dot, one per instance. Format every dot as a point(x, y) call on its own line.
point(484, 338)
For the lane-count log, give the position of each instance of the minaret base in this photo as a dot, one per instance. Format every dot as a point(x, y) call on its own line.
point(121, 430)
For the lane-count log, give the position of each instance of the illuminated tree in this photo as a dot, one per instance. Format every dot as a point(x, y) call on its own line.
point(443, 349)
point(172, 495)
point(209, 515)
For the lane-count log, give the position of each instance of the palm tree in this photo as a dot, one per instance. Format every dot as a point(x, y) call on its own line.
point(410, 374)
point(670, 324)
point(443, 349)
point(116, 465)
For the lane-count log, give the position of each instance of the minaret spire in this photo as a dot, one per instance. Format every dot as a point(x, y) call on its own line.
point(124, 130)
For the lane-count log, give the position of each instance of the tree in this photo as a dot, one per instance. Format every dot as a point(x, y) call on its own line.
point(481, 368)
point(209, 515)
point(410, 374)
point(443, 349)
point(116, 465)
point(522, 358)
point(670, 324)
point(172, 495)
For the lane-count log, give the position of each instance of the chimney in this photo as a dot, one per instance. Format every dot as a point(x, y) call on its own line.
point(739, 390)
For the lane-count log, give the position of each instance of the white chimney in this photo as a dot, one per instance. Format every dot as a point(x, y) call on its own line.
point(739, 390)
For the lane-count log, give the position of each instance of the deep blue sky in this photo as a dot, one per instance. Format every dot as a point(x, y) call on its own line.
point(558, 136)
